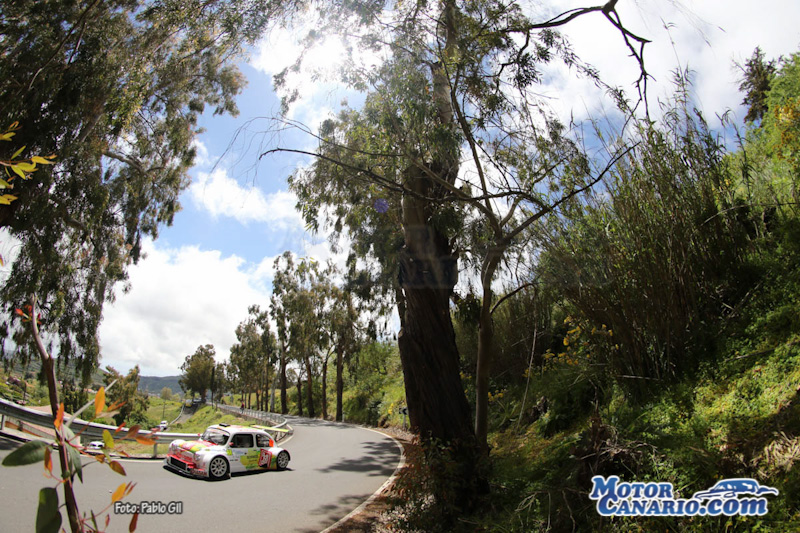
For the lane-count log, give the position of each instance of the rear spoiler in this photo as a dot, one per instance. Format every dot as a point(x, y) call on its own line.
point(269, 428)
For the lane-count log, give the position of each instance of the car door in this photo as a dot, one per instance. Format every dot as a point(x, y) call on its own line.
point(264, 443)
point(241, 448)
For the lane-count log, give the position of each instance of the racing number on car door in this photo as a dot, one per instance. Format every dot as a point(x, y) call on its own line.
point(265, 457)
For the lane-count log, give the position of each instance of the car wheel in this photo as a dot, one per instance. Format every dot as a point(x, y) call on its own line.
point(218, 468)
point(282, 461)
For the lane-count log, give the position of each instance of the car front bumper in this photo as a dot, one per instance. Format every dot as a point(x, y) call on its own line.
point(180, 464)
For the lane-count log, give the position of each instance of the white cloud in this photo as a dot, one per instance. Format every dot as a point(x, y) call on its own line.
point(318, 81)
point(10, 247)
point(707, 37)
point(180, 299)
point(221, 195)
point(202, 158)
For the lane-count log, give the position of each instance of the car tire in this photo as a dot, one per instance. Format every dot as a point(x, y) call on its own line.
point(218, 468)
point(282, 461)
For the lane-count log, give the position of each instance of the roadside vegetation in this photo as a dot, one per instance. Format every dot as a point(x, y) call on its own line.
point(656, 337)
point(615, 297)
point(660, 336)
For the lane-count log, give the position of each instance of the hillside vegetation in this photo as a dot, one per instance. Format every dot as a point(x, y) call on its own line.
point(659, 339)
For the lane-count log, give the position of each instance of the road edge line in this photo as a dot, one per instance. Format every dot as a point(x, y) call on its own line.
point(400, 464)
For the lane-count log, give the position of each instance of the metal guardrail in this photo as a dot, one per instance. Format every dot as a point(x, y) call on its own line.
point(89, 429)
point(95, 431)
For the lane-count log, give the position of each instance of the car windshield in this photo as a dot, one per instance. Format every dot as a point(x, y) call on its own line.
point(216, 436)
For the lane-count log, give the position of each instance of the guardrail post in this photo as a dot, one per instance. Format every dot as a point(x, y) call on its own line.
point(2, 422)
point(155, 450)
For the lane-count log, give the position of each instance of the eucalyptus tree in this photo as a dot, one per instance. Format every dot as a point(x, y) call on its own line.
point(132, 402)
point(298, 306)
point(113, 89)
point(346, 322)
point(346, 337)
point(453, 153)
point(220, 380)
point(198, 370)
point(252, 357)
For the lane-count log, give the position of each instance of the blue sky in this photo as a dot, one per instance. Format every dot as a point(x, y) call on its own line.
point(202, 273)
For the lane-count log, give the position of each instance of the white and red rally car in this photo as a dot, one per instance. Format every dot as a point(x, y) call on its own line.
point(224, 449)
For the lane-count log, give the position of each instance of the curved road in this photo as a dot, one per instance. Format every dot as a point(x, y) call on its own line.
point(334, 468)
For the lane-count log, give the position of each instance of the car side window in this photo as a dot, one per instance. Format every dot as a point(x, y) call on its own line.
point(262, 441)
point(242, 441)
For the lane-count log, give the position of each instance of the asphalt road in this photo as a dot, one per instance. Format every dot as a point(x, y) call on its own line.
point(334, 468)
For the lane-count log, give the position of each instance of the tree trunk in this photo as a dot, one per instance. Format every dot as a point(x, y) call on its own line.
point(485, 349)
point(339, 382)
point(284, 403)
point(325, 388)
point(437, 405)
point(309, 388)
point(299, 396)
point(266, 388)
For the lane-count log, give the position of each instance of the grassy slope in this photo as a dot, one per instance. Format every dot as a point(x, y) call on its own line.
point(739, 417)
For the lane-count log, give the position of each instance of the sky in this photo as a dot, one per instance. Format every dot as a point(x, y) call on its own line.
point(199, 277)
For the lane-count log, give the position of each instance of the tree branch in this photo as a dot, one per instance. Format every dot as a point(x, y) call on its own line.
point(512, 294)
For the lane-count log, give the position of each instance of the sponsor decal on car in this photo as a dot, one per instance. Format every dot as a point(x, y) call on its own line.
point(616, 498)
point(193, 446)
point(264, 459)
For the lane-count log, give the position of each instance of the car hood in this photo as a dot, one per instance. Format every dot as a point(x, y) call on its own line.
point(195, 446)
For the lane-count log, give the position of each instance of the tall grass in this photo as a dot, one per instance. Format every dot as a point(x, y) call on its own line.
point(655, 254)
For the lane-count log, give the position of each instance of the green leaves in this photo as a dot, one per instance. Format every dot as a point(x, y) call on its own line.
point(135, 86)
point(29, 453)
point(48, 517)
point(74, 461)
point(197, 370)
point(23, 168)
point(108, 440)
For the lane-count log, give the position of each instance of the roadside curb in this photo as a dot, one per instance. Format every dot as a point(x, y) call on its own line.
point(342, 522)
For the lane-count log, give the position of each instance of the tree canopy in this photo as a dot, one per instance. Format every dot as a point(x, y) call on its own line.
point(451, 157)
point(197, 371)
point(114, 89)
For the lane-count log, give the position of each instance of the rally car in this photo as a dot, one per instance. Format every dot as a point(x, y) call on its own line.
point(224, 449)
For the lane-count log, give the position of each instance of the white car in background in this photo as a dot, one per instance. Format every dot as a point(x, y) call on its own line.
point(225, 449)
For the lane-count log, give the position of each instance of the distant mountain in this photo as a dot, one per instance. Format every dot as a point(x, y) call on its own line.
point(154, 384)
point(34, 367)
